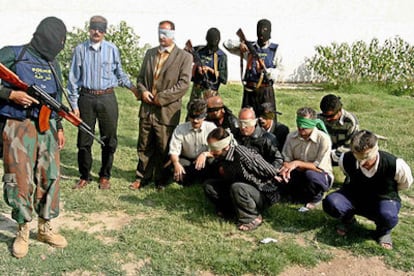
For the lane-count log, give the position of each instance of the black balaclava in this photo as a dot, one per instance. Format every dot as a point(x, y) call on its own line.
point(49, 38)
point(213, 39)
point(264, 28)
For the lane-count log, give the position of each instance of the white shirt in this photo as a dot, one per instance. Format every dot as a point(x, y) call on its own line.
point(402, 176)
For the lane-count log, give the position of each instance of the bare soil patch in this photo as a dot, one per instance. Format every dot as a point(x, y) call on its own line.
point(344, 264)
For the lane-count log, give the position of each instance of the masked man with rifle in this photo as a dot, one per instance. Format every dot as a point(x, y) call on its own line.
point(210, 66)
point(260, 73)
point(31, 157)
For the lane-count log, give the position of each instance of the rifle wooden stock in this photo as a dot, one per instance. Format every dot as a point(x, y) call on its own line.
point(48, 103)
point(7, 75)
point(196, 57)
point(198, 63)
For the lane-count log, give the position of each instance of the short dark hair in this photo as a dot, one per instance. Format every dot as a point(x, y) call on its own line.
point(306, 112)
point(218, 133)
point(168, 22)
point(197, 106)
point(363, 140)
point(330, 102)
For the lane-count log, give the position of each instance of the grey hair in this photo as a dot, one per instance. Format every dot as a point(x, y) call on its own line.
point(306, 112)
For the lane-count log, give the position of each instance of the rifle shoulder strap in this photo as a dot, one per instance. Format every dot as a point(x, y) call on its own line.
point(241, 66)
point(215, 62)
point(19, 57)
point(59, 84)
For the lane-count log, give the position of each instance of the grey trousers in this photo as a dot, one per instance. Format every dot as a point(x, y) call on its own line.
point(248, 201)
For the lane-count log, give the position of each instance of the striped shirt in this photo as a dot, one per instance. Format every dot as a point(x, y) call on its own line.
point(95, 69)
point(245, 165)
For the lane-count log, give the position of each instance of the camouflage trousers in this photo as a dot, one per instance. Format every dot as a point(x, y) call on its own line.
point(31, 170)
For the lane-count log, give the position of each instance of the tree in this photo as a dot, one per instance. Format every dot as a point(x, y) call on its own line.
point(121, 35)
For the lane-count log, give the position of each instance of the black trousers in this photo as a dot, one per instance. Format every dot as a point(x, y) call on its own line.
point(104, 109)
point(255, 98)
point(217, 190)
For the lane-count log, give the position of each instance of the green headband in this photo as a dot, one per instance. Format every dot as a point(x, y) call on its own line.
point(302, 122)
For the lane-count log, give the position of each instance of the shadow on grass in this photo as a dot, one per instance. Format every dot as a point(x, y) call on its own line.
point(285, 217)
point(8, 228)
point(190, 202)
point(358, 234)
point(69, 166)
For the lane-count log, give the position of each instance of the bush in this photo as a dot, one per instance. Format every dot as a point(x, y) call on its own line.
point(121, 35)
point(390, 64)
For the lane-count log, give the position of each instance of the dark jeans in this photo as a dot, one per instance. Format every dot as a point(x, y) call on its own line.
point(306, 186)
point(104, 109)
point(343, 206)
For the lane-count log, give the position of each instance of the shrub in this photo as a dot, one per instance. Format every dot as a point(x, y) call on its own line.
point(391, 64)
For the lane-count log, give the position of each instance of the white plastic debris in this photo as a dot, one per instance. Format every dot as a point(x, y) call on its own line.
point(268, 240)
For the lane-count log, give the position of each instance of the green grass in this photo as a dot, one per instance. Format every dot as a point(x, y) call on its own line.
point(177, 233)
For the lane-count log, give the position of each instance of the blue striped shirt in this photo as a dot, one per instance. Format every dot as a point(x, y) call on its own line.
point(95, 69)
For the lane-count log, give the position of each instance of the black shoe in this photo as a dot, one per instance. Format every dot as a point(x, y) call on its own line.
point(160, 188)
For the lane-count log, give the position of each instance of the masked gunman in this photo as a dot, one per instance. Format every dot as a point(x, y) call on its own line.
point(31, 157)
point(260, 73)
point(209, 66)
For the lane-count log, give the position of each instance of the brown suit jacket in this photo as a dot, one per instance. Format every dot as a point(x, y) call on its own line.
point(173, 83)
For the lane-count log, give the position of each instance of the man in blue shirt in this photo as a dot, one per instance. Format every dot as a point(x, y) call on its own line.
point(95, 71)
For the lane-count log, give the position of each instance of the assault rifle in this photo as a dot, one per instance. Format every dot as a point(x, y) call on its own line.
point(249, 45)
point(253, 52)
point(48, 103)
point(197, 61)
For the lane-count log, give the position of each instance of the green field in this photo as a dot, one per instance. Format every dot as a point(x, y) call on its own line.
point(176, 232)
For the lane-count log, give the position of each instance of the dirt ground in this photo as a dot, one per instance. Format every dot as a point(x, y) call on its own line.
point(342, 264)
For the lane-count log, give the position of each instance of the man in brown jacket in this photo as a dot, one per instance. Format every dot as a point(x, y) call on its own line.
point(162, 82)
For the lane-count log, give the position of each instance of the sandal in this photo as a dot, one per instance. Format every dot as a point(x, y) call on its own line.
point(251, 225)
point(343, 228)
point(385, 241)
point(313, 205)
point(309, 206)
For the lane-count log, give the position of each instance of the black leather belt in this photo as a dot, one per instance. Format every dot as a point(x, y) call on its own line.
point(254, 84)
point(97, 92)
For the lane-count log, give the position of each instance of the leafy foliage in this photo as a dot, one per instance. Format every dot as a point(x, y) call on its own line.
point(122, 35)
point(390, 64)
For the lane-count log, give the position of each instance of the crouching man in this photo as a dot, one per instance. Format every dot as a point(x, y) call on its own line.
point(375, 177)
point(188, 146)
point(247, 183)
